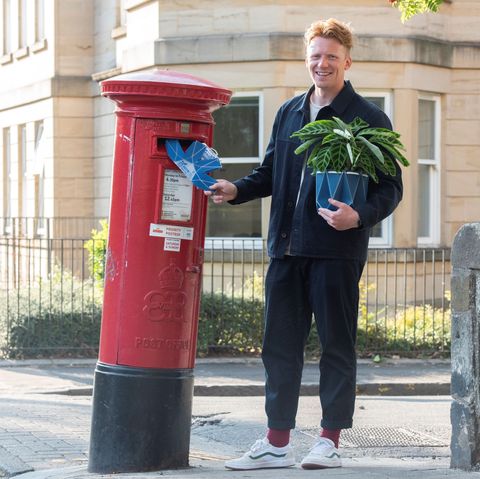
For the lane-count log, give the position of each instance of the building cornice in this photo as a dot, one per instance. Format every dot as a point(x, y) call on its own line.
point(289, 46)
point(106, 74)
point(60, 86)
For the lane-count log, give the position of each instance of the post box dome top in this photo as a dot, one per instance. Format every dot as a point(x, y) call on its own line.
point(165, 83)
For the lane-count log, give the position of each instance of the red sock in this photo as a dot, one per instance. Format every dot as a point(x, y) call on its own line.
point(332, 434)
point(278, 437)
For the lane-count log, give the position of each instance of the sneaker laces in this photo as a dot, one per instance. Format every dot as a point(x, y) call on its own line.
point(259, 443)
point(323, 443)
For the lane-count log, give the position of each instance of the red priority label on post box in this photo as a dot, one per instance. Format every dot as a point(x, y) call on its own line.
point(171, 231)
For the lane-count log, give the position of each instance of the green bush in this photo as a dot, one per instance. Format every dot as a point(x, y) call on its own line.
point(57, 317)
point(408, 331)
point(229, 325)
point(61, 316)
point(414, 329)
point(96, 247)
point(234, 324)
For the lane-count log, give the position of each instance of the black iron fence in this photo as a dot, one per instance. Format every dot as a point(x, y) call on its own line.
point(51, 296)
point(46, 228)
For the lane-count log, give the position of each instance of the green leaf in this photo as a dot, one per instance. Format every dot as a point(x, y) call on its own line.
point(355, 146)
point(305, 146)
point(314, 129)
point(350, 154)
point(319, 161)
point(390, 166)
point(357, 152)
point(313, 159)
point(329, 138)
point(340, 123)
point(364, 165)
point(373, 148)
point(381, 132)
point(339, 158)
point(357, 124)
point(396, 154)
point(409, 8)
point(343, 133)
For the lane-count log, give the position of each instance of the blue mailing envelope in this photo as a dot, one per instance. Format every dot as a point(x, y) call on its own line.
point(196, 162)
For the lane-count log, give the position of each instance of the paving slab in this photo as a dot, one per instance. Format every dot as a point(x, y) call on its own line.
point(234, 376)
point(207, 468)
point(45, 411)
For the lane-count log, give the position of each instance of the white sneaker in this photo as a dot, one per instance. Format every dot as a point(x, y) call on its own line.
point(324, 454)
point(263, 455)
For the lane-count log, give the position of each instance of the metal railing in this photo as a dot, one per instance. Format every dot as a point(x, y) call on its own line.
point(47, 228)
point(50, 304)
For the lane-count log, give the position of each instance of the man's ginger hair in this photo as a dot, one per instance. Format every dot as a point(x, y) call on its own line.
point(330, 28)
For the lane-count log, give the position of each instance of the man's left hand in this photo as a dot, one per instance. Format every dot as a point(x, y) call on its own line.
point(342, 219)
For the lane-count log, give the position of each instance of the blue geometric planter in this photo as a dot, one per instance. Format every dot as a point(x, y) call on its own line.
point(348, 187)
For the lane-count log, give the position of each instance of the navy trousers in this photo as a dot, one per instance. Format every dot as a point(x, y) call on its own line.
point(296, 287)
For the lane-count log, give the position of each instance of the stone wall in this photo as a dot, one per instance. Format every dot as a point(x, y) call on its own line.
point(465, 410)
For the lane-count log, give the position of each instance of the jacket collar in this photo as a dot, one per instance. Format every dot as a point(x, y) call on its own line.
point(338, 105)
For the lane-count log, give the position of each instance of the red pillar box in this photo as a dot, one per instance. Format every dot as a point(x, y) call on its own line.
point(144, 376)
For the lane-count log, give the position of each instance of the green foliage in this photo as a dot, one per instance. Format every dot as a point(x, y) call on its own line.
point(412, 331)
point(407, 331)
point(409, 8)
point(415, 329)
point(230, 325)
point(60, 317)
point(96, 247)
point(252, 287)
point(333, 145)
point(57, 317)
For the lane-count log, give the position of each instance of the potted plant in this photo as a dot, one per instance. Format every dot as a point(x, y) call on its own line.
point(344, 155)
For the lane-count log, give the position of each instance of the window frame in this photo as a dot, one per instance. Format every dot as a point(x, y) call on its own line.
point(227, 242)
point(22, 170)
point(39, 20)
point(6, 12)
point(120, 29)
point(386, 238)
point(250, 159)
point(435, 173)
point(39, 178)
point(22, 24)
point(7, 179)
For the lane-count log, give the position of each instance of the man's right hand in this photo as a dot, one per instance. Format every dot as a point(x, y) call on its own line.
point(222, 191)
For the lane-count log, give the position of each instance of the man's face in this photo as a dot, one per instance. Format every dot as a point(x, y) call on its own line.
point(326, 61)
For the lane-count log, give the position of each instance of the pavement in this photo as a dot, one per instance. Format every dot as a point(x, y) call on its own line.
point(402, 414)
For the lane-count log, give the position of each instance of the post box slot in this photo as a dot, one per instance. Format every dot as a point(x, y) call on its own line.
point(161, 149)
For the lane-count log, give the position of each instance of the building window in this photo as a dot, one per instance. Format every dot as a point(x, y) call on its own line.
point(22, 23)
point(238, 141)
point(39, 20)
point(381, 233)
point(122, 13)
point(428, 171)
point(6, 27)
point(39, 175)
point(22, 170)
point(120, 29)
point(7, 179)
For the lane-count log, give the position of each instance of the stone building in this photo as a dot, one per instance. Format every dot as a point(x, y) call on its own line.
point(57, 131)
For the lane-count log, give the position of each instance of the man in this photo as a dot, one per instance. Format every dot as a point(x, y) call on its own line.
point(317, 258)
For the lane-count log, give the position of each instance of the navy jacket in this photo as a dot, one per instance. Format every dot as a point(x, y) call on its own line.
point(279, 176)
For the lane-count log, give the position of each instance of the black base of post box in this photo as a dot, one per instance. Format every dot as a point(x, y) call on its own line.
point(141, 419)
